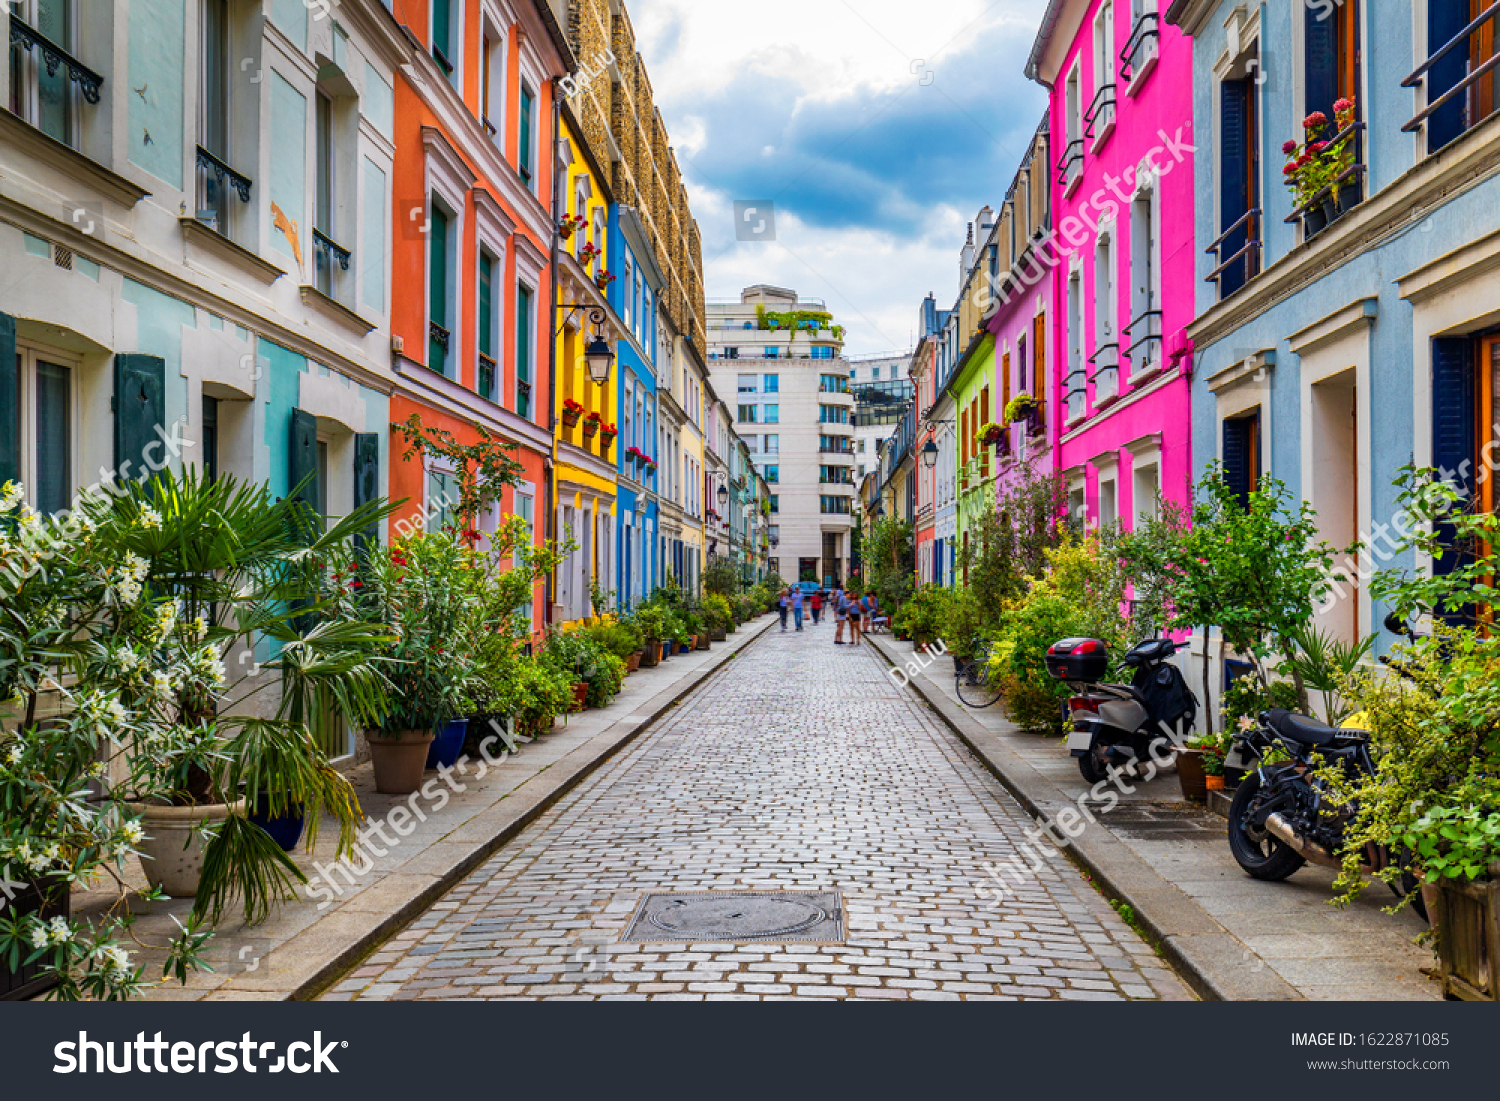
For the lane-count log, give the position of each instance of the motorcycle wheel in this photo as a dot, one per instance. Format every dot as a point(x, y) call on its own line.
point(1262, 856)
point(1411, 885)
point(1091, 765)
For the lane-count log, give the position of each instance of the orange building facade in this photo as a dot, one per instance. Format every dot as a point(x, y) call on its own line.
point(473, 232)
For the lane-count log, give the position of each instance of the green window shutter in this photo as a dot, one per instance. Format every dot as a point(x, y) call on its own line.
point(302, 480)
point(486, 306)
point(366, 482)
point(140, 410)
point(10, 403)
point(524, 154)
point(437, 290)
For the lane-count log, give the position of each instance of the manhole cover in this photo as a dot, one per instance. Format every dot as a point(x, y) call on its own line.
point(815, 917)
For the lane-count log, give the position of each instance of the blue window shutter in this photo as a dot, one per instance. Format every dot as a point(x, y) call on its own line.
point(1238, 457)
point(1234, 168)
point(1321, 63)
point(10, 403)
point(1445, 19)
point(140, 410)
point(366, 480)
point(302, 463)
point(1454, 403)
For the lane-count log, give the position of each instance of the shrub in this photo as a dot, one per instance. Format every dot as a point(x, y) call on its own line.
point(921, 617)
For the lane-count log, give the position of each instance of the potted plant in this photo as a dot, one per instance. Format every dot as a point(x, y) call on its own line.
point(569, 224)
point(1021, 407)
point(115, 653)
point(602, 279)
point(590, 425)
point(607, 434)
point(654, 626)
point(571, 412)
point(1190, 774)
point(649, 464)
point(588, 252)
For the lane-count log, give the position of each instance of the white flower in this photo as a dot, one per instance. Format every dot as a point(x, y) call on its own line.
point(60, 930)
point(161, 684)
point(11, 495)
point(115, 960)
point(150, 518)
point(132, 832)
point(117, 712)
point(200, 629)
point(39, 938)
point(129, 660)
point(31, 519)
point(14, 756)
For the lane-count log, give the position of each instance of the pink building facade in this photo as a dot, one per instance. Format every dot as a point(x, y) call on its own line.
point(1121, 253)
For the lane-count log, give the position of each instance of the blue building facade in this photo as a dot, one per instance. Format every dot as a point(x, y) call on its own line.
point(635, 297)
point(1339, 339)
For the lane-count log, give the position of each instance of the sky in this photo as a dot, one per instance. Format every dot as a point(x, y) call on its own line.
point(878, 128)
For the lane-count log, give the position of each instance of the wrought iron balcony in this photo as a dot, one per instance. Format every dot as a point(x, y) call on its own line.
point(1247, 254)
point(439, 336)
point(1343, 194)
point(54, 57)
point(331, 249)
point(1106, 364)
point(1146, 330)
point(1070, 166)
point(488, 372)
point(1101, 112)
point(222, 173)
point(1473, 112)
point(1147, 29)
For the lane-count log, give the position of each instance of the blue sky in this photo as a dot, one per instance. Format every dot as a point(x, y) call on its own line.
point(877, 127)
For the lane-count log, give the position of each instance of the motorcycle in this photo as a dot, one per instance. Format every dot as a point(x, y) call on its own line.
point(1282, 816)
point(1122, 724)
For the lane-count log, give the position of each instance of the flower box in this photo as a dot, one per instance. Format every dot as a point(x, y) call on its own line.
point(571, 412)
point(1467, 918)
point(591, 426)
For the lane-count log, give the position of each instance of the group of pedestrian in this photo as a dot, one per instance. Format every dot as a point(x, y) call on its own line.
point(852, 612)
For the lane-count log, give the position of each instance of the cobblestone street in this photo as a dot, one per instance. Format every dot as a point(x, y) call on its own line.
point(801, 766)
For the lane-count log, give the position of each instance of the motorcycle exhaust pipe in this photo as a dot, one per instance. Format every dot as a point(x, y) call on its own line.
point(1282, 830)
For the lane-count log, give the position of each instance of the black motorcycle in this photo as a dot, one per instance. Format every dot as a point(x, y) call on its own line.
point(1282, 816)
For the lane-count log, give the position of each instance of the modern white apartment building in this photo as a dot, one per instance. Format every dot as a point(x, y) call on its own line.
point(777, 361)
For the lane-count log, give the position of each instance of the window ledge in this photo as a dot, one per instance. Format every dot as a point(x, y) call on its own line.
point(335, 310)
point(1138, 78)
point(63, 157)
point(211, 240)
point(1104, 134)
point(1073, 185)
point(1147, 373)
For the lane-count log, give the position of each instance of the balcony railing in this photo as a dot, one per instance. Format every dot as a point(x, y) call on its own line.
point(1248, 253)
point(327, 252)
point(1106, 364)
point(1461, 87)
point(1339, 197)
point(1101, 112)
point(1077, 383)
point(488, 372)
point(53, 57)
point(1145, 332)
point(222, 173)
point(1070, 165)
point(1145, 35)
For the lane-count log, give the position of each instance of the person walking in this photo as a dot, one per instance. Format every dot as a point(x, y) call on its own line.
point(855, 614)
point(784, 604)
point(841, 616)
point(797, 600)
point(817, 605)
point(866, 612)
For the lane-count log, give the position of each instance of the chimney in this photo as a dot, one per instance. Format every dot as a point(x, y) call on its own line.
point(966, 262)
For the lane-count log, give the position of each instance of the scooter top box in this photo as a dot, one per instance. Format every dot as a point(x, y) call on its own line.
point(1078, 659)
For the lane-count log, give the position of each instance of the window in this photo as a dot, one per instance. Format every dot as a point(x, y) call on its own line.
point(1145, 31)
point(628, 432)
point(1070, 165)
point(526, 155)
point(209, 456)
point(834, 475)
point(775, 504)
point(485, 379)
point(1077, 390)
point(1238, 247)
point(772, 414)
point(773, 473)
point(330, 259)
point(524, 296)
point(442, 492)
point(45, 421)
point(773, 443)
point(731, 353)
point(1144, 331)
point(835, 506)
point(771, 352)
point(47, 99)
point(1452, 21)
point(835, 384)
point(1101, 117)
point(216, 181)
point(1241, 455)
point(822, 351)
point(1106, 357)
point(748, 414)
point(443, 50)
point(439, 334)
point(772, 384)
point(526, 510)
point(492, 81)
point(833, 414)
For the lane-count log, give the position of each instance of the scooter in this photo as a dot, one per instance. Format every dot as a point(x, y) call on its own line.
point(1120, 724)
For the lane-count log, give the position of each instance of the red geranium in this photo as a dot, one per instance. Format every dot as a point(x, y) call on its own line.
point(1315, 121)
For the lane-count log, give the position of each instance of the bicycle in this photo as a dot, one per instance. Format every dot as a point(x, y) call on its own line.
point(972, 677)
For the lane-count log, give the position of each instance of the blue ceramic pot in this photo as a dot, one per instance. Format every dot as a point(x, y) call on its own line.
point(448, 746)
point(286, 830)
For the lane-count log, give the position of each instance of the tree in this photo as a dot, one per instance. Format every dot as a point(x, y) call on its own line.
point(483, 469)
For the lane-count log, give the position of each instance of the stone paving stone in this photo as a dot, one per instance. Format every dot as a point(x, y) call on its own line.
point(797, 767)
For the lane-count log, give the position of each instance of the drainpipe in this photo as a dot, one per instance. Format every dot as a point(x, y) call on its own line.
point(548, 471)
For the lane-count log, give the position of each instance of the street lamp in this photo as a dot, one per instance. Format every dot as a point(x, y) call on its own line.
point(723, 496)
point(598, 357)
point(930, 453)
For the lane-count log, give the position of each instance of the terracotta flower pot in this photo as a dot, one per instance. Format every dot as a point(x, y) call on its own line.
point(1213, 783)
point(399, 759)
point(633, 662)
point(580, 695)
point(172, 853)
point(651, 653)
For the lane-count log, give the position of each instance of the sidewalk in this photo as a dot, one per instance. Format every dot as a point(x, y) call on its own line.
point(1232, 937)
point(300, 950)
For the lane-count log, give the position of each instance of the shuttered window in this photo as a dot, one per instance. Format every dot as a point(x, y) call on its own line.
point(1454, 417)
point(523, 351)
point(438, 337)
point(1242, 455)
point(1237, 185)
point(140, 410)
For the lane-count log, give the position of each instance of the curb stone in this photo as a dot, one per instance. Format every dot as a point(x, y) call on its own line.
point(1210, 959)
